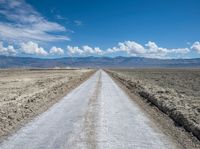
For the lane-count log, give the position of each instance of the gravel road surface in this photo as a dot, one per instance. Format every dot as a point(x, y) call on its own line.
point(97, 114)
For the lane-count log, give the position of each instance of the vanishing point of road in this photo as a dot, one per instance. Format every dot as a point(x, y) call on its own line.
point(97, 114)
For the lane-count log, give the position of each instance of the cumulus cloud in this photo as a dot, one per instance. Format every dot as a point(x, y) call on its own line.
point(84, 51)
point(180, 50)
point(56, 51)
point(130, 47)
point(151, 49)
point(23, 23)
point(10, 50)
point(196, 46)
point(74, 50)
point(33, 49)
point(90, 50)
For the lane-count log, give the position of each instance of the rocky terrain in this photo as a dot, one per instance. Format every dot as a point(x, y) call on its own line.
point(26, 93)
point(174, 91)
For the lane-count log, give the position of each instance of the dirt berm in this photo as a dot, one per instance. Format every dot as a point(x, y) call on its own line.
point(183, 111)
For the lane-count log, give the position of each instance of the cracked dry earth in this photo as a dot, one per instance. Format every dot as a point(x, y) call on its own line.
point(97, 114)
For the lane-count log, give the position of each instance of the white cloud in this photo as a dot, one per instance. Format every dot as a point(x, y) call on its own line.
point(74, 50)
point(8, 32)
point(134, 49)
point(196, 46)
point(33, 49)
point(130, 47)
point(153, 51)
point(10, 50)
point(56, 51)
point(89, 50)
point(23, 23)
point(153, 48)
point(180, 50)
point(150, 49)
point(84, 51)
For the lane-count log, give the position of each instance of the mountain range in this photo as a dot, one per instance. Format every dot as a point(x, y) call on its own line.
point(97, 62)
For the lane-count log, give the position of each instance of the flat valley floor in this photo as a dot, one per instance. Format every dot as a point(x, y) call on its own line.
point(97, 114)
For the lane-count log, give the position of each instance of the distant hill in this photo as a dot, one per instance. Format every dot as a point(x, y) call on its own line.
point(103, 62)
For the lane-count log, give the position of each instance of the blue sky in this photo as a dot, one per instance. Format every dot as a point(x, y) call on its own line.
point(58, 28)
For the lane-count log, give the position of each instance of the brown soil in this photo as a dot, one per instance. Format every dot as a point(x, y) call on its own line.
point(27, 93)
point(177, 99)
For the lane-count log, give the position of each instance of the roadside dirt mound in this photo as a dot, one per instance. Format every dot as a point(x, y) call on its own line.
point(26, 93)
point(182, 108)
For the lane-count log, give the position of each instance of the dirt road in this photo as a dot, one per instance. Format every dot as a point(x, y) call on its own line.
point(97, 114)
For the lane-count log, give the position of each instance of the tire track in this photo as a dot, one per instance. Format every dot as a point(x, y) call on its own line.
point(91, 117)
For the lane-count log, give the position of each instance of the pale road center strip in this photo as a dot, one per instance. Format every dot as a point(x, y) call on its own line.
point(97, 114)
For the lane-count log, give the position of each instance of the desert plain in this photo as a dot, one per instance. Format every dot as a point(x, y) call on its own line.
point(25, 93)
point(173, 91)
